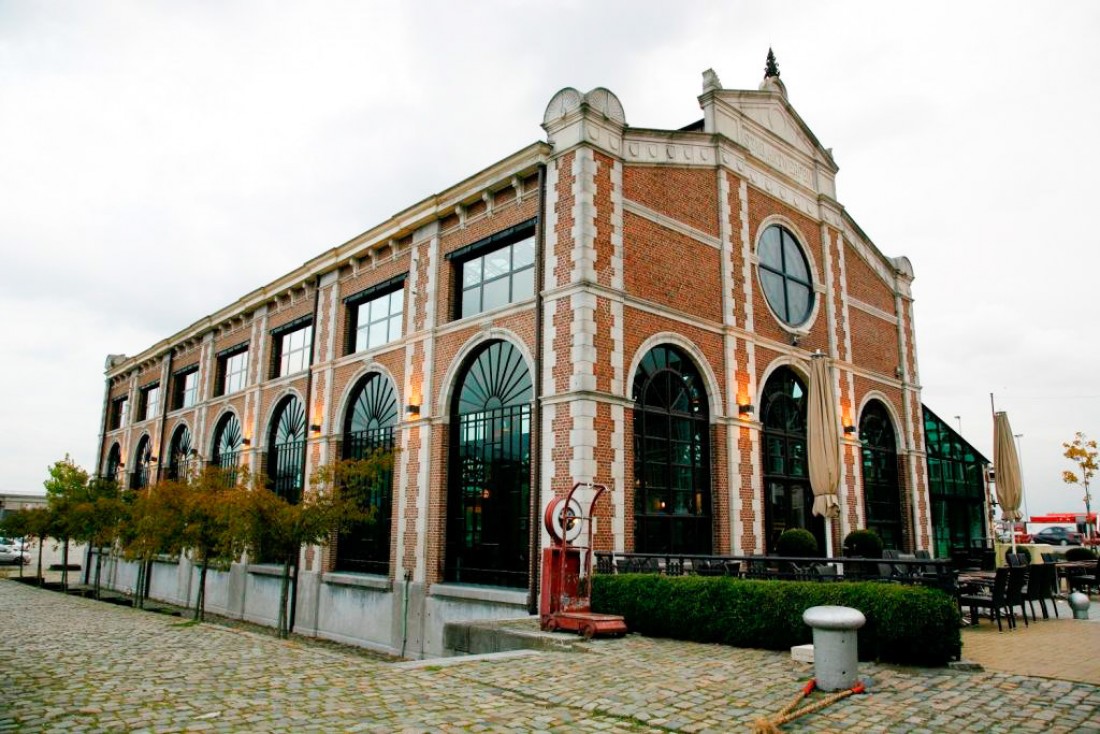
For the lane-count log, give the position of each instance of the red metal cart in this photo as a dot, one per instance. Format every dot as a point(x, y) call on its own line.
point(566, 600)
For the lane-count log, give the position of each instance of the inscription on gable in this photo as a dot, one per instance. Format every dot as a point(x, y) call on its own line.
point(771, 155)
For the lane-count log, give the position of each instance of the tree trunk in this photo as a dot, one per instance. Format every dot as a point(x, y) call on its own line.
point(98, 573)
point(200, 597)
point(41, 550)
point(65, 566)
point(284, 595)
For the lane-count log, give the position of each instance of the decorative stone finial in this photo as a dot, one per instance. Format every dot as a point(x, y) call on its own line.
point(711, 81)
point(771, 68)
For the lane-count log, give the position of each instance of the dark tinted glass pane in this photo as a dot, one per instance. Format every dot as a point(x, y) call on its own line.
point(798, 297)
point(773, 291)
point(769, 251)
point(794, 263)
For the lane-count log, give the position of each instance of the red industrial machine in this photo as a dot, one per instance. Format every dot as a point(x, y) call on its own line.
point(567, 566)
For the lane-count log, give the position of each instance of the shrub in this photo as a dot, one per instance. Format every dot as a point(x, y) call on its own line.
point(796, 543)
point(905, 624)
point(863, 543)
point(1080, 554)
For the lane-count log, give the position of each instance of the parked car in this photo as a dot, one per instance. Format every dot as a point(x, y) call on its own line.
point(15, 543)
point(1058, 536)
point(8, 554)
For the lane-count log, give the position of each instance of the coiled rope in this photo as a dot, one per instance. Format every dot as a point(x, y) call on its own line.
point(791, 711)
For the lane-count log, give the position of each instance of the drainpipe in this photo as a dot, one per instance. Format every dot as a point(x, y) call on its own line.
point(98, 468)
point(164, 412)
point(305, 446)
point(536, 413)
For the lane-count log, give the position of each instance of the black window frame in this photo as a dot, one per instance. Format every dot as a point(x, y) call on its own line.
point(116, 414)
point(365, 297)
point(463, 256)
point(178, 399)
point(222, 372)
point(143, 401)
point(882, 497)
point(786, 276)
point(278, 334)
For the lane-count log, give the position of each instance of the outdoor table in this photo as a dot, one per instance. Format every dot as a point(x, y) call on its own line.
point(976, 579)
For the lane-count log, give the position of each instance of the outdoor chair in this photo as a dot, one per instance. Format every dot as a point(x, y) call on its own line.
point(1085, 582)
point(706, 567)
point(1041, 580)
point(758, 568)
point(674, 567)
point(994, 601)
point(1049, 558)
point(732, 568)
point(923, 555)
point(1014, 596)
point(1014, 560)
point(825, 572)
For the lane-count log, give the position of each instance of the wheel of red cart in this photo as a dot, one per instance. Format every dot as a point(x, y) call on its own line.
point(588, 630)
point(551, 625)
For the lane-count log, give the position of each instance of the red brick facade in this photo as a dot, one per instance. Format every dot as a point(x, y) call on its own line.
point(645, 238)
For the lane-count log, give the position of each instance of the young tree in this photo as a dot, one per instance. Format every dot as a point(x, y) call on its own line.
point(155, 521)
point(65, 488)
point(275, 529)
point(209, 500)
point(96, 514)
point(1083, 452)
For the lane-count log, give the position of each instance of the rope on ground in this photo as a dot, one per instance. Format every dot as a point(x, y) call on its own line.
point(790, 712)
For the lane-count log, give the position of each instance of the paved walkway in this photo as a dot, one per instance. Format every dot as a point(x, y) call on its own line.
point(76, 665)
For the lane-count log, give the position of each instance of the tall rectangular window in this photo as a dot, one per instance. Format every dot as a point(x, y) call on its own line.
point(117, 414)
point(495, 271)
point(185, 388)
point(233, 369)
point(291, 349)
point(150, 401)
point(375, 315)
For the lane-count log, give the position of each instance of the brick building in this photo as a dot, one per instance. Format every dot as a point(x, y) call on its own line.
point(630, 306)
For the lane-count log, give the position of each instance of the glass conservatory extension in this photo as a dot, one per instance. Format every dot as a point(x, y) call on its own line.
point(956, 488)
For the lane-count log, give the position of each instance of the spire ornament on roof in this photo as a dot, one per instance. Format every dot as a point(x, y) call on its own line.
point(771, 68)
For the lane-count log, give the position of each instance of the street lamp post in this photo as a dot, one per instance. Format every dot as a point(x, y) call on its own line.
point(1020, 458)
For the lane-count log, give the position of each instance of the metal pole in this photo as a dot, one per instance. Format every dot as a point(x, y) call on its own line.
point(1020, 457)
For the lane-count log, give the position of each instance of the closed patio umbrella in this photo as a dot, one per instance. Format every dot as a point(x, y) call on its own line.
point(823, 437)
point(1007, 466)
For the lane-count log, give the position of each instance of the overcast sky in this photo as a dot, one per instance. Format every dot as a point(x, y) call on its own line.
point(159, 160)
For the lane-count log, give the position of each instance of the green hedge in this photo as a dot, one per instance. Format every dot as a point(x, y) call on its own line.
point(905, 624)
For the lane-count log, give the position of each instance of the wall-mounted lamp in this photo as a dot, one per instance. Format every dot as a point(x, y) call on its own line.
point(152, 460)
point(122, 465)
point(246, 441)
point(412, 411)
point(194, 452)
point(849, 429)
point(745, 410)
point(315, 427)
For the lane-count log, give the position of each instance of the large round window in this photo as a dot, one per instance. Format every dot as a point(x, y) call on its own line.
point(785, 275)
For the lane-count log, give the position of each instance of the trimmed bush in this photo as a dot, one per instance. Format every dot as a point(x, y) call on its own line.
point(863, 543)
point(905, 624)
point(796, 543)
point(1080, 554)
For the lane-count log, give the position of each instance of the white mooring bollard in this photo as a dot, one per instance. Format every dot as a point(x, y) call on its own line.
point(836, 654)
point(1079, 603)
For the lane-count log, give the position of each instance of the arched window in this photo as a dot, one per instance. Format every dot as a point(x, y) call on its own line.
point(672, 506)
point(140, 474)
point(488, 528)
point(114, 462)
point(286, 449)
point(881, 493)
point(227, 442)
point(785, 275)
point(368, 426)
point(179, 452)
point(788, 499)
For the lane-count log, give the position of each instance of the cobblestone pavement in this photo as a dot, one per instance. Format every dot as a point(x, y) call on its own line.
point(76, 665)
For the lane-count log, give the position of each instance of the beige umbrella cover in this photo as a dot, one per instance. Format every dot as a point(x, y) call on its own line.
point(823, 437)
point(1006, 464)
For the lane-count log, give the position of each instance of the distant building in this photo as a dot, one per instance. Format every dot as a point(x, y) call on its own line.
point(630, 306)
point(15, 501)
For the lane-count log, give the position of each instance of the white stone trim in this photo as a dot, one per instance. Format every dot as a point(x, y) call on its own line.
point(584, 215)
point(618, 478)
point(672, 224)
point(872, 310)
point(746, 257)
point(617, 204)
